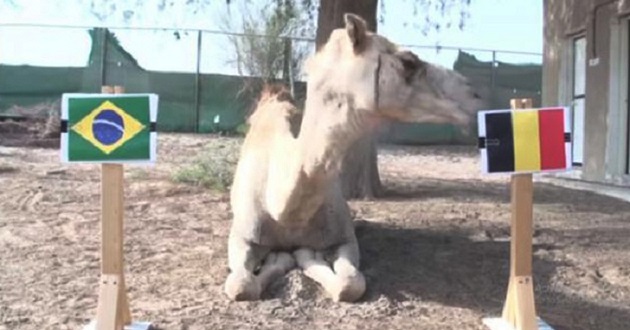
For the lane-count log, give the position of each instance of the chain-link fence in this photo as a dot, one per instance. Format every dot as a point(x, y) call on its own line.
point(204, 83)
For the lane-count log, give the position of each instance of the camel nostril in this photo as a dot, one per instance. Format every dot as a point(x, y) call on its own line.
point(475, 95)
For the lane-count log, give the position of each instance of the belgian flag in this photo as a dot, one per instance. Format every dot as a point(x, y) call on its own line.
point(531, 140)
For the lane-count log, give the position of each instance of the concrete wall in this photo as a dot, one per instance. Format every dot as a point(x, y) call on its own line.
point(563, 21)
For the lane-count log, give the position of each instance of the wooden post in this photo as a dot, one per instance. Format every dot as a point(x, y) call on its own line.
point(519, 309)
point(113, 307)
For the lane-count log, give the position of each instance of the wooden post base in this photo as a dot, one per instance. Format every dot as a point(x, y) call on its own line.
point(499, 323)
point(131, 326)
point(519, 310)
point(113, 308)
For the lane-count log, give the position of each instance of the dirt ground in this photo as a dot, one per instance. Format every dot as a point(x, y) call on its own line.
point(435, 250)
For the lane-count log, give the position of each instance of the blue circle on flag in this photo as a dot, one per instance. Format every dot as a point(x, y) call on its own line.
point(108, 127)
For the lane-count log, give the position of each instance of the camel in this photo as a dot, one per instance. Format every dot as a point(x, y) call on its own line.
point(287, 203)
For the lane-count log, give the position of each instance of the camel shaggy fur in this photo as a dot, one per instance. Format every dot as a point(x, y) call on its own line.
point(287, 204)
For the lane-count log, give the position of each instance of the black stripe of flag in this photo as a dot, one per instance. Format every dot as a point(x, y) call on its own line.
point(500, 155)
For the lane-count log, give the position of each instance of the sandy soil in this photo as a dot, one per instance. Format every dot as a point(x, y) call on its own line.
point(435, 250)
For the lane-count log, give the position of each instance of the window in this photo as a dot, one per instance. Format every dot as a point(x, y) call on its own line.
point(577, 98)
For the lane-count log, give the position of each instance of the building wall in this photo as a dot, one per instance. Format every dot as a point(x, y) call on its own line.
point(563, 21)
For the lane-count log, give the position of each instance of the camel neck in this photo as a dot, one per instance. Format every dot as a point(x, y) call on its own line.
point(329, 128)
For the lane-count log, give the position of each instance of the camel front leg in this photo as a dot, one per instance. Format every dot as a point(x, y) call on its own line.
point(343, 281)
point(243, 259)
point(346, 266)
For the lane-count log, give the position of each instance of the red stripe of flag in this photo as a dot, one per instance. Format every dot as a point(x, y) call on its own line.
point(551, 126)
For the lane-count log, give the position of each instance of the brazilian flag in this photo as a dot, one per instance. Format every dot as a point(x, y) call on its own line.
point(108, 128)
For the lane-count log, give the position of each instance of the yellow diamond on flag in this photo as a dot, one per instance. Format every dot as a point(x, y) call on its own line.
point(108, 127)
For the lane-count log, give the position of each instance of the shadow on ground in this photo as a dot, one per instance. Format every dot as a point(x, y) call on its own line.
point(444, 264)
point(424, 188)
point(450, 269)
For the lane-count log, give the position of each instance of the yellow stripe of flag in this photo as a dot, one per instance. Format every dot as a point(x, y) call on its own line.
point(526, 140)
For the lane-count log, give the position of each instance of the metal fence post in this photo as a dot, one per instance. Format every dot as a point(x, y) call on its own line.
point(103, 56)
point(289, 54)
point(493, 74)
point(198, 84)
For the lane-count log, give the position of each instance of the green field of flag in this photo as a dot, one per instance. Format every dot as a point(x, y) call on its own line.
point(108, 128)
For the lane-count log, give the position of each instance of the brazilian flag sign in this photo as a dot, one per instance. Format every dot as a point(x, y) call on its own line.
point(108, 128)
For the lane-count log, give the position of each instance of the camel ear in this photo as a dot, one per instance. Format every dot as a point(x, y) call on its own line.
point(357, 30)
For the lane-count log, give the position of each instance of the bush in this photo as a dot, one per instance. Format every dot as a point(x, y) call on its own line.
point(242, 129)
point(213, 168)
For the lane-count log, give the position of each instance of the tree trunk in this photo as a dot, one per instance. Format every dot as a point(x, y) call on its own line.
point(330, 16)
point(359, 174)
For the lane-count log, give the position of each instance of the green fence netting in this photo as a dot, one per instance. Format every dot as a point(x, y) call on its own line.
point(200, 102)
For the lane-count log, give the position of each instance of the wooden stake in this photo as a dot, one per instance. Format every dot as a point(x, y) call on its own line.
point(113, 307)
point(519, 309)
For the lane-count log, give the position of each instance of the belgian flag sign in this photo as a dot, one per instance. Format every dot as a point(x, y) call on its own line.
point(108, 128)
point(528, 140)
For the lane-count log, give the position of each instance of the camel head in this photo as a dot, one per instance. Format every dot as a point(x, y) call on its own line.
point(384, 81)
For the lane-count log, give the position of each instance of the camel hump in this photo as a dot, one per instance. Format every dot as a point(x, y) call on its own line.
point(279, 92)
point(275, 105)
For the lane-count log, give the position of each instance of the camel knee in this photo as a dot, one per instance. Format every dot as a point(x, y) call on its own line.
point(242, 286)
